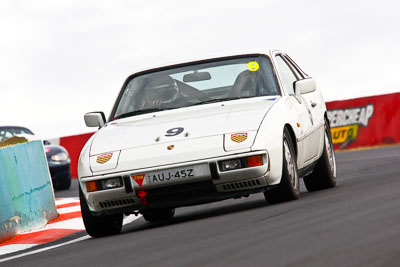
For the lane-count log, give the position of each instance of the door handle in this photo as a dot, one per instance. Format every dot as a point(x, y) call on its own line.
point(313, 105)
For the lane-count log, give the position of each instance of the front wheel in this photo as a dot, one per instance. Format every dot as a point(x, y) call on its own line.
point(324, 173)
point(98, 226)
point(288, 188)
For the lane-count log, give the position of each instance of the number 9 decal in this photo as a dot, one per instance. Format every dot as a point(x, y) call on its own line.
point(253, 66)
point(174, 131)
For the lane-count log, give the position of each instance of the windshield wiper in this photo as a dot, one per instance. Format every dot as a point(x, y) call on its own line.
point(220, 100)
point(139, 112)
point(149, 110)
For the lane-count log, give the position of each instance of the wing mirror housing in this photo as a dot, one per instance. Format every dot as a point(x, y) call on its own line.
point(46, 142)
point(304, 86)
point(95, 119)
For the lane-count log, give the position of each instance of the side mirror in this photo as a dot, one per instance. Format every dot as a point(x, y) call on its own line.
point(304, 86)
point(46, 142)
point(95, 119)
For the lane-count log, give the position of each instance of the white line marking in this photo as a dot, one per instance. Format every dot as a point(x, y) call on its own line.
point(14, 248)
point(127, 220)
point(67, 200)
point(75, 224)
point(130, 219)
point(44, 249)
point(69, 209)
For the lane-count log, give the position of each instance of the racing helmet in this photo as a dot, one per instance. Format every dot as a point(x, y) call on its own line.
point(161, 90)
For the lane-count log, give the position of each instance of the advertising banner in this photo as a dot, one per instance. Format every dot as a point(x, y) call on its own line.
point(74, 144)
point(366, 121)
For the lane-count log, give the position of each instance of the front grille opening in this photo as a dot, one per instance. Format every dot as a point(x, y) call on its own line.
point(117, 202)
point(242, 185)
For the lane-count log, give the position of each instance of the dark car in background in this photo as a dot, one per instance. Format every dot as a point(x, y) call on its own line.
point(57, 156)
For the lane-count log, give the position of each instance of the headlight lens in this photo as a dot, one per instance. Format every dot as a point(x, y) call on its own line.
point(239, 163)
point(231, 164)
point(111, 183)
point(103, 184)
point(62, 156)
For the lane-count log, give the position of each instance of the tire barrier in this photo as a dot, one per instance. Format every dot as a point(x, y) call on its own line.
point(26, 193)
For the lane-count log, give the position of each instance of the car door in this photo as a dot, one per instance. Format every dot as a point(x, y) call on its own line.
point(315, 105)
point(302, 112)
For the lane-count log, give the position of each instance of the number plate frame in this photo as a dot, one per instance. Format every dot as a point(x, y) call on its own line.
point(174, 174)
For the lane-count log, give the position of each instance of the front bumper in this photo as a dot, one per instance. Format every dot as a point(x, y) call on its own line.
point(212, 184)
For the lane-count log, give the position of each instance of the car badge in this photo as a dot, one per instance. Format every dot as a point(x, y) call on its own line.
point(138, 178)
point(103, 158)
point(238, 137)
point(170, 147)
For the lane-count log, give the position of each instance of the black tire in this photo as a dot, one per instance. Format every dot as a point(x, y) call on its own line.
point(63, 184)
point(324, 173)
point(289, 188)
point(98, 226)
point(155, 215)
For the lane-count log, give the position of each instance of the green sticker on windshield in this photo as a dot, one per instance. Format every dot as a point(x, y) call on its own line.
point(253, 66)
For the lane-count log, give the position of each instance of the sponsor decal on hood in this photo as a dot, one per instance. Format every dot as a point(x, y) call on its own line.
point(103, 158)
point(104, 161)
point(238, 137)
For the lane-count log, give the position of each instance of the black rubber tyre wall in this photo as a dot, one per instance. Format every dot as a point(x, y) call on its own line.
point(285, 191)
point(322, 176)
point(63, 184)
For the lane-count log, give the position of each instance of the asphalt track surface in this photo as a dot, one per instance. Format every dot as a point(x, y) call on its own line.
point(355, 224)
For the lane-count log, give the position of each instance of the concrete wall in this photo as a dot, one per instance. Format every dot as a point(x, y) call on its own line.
point(26, 193)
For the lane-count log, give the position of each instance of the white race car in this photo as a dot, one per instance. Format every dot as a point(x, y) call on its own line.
point(205, 131)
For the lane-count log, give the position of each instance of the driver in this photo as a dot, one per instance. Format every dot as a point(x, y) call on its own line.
point(161, 91)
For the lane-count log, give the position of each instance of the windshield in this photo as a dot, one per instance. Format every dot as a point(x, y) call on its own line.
point(6, 132)
point(197, 84)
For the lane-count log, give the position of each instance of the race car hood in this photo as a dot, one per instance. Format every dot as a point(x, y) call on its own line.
point(182, 124)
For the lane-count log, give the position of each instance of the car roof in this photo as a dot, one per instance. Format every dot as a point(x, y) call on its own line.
point(204, 57)
point(15, 127)
point(4, 127)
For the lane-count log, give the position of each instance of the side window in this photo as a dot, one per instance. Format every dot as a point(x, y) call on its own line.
point(293, 67)
point(297, 67)
point(287, 74)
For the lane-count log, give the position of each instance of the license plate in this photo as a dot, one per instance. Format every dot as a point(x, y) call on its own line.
point(172, 174)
